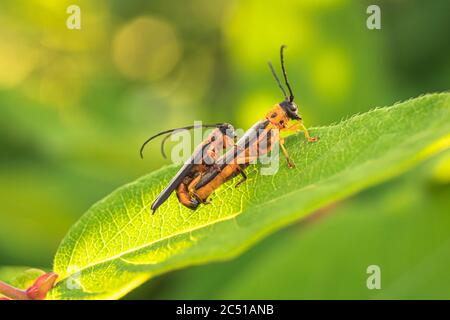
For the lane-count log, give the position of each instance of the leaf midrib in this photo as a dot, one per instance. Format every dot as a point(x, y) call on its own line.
point(149, 244)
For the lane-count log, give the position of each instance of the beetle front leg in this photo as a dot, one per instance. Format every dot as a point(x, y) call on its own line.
point(306, 133)
point(285, 153)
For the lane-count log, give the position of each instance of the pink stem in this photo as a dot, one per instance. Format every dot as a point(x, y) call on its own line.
point(13, 293)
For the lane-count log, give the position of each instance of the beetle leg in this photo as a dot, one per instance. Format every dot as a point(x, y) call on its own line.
point(196, 196)
point(228, 142)
point(300, 126)
point(193, 183)
point(210, 156)
point(216, 167)
point(306, 133)
point(206, 201)
point(285, 153)
point(293, 128)
point(191, 189)
point(244, 177)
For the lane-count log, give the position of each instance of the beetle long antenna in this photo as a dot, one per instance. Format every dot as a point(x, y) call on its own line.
point(291, 97)
point(162, 146)
point(276, 78)
point(141, 151)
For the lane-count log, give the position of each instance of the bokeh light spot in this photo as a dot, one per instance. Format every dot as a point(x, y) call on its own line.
point(17, 60)
point(147, 48)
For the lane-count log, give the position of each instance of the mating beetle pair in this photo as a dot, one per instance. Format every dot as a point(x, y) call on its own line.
point(204, 172)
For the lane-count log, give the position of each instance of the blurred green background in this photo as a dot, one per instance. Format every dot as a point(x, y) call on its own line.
point(75, 105)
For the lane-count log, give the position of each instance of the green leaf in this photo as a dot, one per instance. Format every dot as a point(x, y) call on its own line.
point(118, 243)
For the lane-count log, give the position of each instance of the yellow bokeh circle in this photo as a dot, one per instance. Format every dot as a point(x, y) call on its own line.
point(147, 48)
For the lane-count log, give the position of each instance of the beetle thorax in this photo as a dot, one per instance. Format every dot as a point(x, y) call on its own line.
point(277, 117)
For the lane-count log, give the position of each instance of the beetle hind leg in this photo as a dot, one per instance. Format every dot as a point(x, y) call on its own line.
point(198, 198)
point(243, 179)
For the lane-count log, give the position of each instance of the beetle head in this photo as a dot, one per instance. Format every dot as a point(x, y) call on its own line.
point(291, 110)
point(227, 129)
